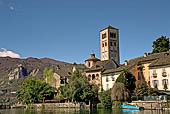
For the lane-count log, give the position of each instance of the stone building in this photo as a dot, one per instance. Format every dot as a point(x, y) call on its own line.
point(109, 44)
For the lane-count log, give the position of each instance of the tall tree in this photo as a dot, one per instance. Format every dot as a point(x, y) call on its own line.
point(161, 45)
point(48, 76)
point(127, 79)
point(119, 92)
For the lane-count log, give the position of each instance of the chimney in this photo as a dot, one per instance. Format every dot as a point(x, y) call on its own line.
point(126, 62)
point(145, 54)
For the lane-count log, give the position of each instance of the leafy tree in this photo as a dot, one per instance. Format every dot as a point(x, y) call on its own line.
point(105, 98)
point(33, 91)
point(119, 92)
point(48, 76)
point(127, 79)
point(161, 45)
point(141, 88)
point(78, 89)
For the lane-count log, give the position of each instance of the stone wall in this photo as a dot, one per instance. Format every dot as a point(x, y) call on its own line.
point(55, 105)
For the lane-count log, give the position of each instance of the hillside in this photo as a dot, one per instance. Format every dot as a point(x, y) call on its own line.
point(13, 71)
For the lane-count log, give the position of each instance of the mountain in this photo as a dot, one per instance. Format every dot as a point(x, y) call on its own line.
point(13, 71)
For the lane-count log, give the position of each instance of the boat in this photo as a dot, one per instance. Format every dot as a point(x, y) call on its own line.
point(132, 107)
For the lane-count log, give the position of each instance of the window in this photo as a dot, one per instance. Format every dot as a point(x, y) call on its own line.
point(105, 43)
point(102, 44)
point(114, 43)
point(111, 43)
point(112, 35)
point(103, 35)
point(154, 74)
point(89, 64)
point(89, 77)
point(93, 77)
point(165, 81)
point(163, 72)
point(107, 79)
point(155, 83)
point(107, 86)
point(113, 79)
point(97, 76)
point(62, 81)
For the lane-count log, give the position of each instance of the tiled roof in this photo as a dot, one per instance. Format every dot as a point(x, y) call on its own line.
point(109, 27)
point(161, 62)
point(65, 70)
point(103, 65)
point(152, 58)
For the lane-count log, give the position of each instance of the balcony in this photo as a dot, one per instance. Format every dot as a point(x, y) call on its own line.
point(154, 75)
point(164, 74)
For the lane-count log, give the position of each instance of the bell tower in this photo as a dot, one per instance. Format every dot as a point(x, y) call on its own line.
point(109, 43)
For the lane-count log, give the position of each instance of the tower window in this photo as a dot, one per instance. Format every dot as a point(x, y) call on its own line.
point(105, 43)
point(112, 35)
point(114, 43)
point(103, 35)
point(102, 44)
point(111, 43)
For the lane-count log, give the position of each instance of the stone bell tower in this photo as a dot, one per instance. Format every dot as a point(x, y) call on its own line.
point(109, 43)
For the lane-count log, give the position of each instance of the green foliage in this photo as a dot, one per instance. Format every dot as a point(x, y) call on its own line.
point(141, 88)
point(152, 91)
point(48, 76)
point(127, 79)
point(33, 91)
point(78, 89)
point(119, 92)
point(116, 104)
point(100, 105)
point(161, 45)
point(105, 98)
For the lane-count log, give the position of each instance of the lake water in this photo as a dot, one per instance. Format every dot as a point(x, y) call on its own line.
point(76, 111)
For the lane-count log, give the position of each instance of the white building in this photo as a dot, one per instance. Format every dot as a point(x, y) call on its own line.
point(108, 80)
point(160, 74)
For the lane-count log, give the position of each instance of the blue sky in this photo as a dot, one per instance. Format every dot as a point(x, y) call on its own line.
point(68, 30)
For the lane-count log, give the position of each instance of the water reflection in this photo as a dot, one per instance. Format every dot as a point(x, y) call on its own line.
point(77, 111)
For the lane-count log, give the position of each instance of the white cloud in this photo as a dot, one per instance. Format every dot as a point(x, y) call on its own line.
point(6, 53)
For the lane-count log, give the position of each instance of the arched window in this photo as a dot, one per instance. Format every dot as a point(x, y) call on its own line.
point(89, 77)
point(89, 64)
point(93, 77)
point(97, 76)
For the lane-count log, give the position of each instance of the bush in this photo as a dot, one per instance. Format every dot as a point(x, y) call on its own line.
point(100, 105)
point(116, 104)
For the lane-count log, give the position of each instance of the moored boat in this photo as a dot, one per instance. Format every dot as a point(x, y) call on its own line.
point(132, 107)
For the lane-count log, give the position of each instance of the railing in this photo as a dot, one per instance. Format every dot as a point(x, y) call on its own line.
point(154, 75)
point(164, 74)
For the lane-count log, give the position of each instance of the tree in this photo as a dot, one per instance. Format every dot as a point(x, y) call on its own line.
point(33, 91)
point(105, 98)
point(127, 79)
point(48, 76)
point(119, 92)
point(141, 88)
point(161, 45)
point(78, 89)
